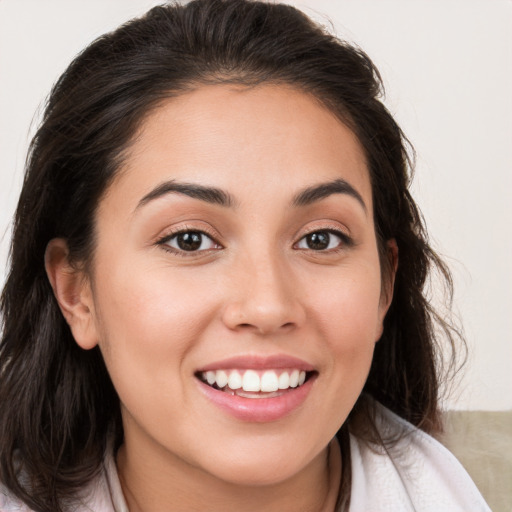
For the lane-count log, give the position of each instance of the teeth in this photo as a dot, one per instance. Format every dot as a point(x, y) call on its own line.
point(269, 382)
point(221, 378)
point(284, 380)
point(235, 380)
point(294, 379)
point(211, 378)
point(250, 380)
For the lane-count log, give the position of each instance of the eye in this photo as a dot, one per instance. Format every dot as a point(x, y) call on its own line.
point(323, 240)
point(190, 241)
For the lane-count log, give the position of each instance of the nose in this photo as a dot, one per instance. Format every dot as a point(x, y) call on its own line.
point(264, 298)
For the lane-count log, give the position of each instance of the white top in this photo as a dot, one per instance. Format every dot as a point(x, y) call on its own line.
point(417, 474)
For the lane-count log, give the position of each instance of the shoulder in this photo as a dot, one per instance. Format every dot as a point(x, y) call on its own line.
point(102, 494)
point(8, 503)
point(413, 473)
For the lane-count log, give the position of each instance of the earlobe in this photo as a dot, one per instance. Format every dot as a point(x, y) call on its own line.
point(73, 293)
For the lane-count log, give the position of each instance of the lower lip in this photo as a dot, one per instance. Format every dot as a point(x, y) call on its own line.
point(259, 410)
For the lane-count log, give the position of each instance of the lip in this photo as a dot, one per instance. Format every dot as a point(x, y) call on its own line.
point(257, 362)
point(259, 410)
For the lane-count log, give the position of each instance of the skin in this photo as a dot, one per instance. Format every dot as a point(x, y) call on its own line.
point(256, 289)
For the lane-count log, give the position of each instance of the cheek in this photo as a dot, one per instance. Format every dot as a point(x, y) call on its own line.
point(346, 316)
point(149, 318)
point(150, 297)
point(349, 313)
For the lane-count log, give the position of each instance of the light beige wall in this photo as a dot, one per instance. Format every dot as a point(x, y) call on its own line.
point(448, 70)
point(482, 441)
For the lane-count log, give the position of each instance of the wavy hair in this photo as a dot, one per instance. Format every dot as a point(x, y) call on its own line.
point(58, 405)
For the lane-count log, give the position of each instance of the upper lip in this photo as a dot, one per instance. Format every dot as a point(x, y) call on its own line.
point(258, 362)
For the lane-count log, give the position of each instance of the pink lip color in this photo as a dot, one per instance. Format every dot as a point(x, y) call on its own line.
point(275, 362)
point(259, 410)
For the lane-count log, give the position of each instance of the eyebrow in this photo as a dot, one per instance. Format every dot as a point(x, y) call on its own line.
point(214, 195)
point(210, 195)
point(321, 191)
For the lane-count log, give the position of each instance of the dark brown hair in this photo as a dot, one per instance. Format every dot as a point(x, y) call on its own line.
point(57, 402)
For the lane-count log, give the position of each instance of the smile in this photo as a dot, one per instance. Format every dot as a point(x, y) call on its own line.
point(257, 389)
point(252, 383)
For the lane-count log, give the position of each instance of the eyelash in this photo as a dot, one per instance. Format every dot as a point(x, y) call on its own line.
point(346, 241)
point(163, 242)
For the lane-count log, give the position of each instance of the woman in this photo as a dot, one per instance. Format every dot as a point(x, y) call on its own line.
point(215, 296)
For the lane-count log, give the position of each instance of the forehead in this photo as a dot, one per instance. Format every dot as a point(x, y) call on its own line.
point(270, 138)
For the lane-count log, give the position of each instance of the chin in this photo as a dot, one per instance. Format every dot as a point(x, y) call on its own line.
point(261, 467)
point(251, 474)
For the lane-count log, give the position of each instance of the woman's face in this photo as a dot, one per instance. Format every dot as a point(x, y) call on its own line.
point(237, 244)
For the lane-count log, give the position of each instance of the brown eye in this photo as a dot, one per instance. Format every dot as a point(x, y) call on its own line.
point(323, 240)
point(318, 241)
point(190, 241)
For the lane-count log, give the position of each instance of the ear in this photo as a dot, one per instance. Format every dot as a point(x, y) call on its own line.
point(388, 282)
point(73, 293)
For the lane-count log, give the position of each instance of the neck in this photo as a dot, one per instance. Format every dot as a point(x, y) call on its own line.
point(173, 485)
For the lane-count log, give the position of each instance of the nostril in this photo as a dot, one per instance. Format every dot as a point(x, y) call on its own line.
point(265, 328)
point(263, 317)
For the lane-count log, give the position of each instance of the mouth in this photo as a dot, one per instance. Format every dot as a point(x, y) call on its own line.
point(257, 388)
point(255, 383)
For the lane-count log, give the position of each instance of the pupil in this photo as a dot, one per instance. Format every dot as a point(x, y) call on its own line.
point(318, 241)
point(189, 241)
